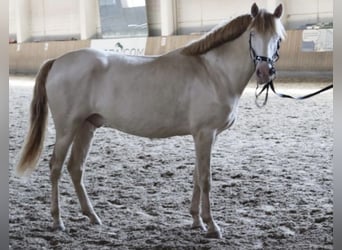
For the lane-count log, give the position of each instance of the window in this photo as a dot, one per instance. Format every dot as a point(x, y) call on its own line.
point(107, 2)
point(132, 3)
point(123, 18)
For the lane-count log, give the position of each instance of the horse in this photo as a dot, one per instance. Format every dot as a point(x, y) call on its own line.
point(193, 90)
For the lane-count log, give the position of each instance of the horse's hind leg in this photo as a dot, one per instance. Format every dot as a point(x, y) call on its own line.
point(62, 144)
point(80, 148)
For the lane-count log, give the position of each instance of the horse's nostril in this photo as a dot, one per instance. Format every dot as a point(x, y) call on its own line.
point(258, 73)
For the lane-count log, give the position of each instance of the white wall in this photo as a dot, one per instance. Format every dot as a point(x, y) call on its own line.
point(12, 20)
point(301, 12)
point(195, 16)
point(61, 19)
point(201, 15)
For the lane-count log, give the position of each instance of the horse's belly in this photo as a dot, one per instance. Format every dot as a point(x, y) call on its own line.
point(148, 131)
point(150, 128)
point(144, 112)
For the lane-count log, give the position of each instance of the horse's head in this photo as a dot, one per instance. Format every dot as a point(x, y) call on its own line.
point(266, 33)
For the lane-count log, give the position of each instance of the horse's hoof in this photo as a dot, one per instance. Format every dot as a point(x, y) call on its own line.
point(95, 221)
point(214, 235)
point(199, 226)
point(58, 227)
point(93, 218)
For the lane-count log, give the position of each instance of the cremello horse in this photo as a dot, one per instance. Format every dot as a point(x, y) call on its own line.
point(193, 90)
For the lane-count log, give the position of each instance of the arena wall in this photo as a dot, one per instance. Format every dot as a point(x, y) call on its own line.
point(26, 58)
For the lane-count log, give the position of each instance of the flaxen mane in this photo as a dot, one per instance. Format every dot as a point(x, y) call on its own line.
point(219, 36)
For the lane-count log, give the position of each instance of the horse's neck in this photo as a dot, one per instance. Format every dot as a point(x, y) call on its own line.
point(234, 62)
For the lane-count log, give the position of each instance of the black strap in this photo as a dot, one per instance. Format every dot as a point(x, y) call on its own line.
point(300, 97)
point(266, 87)
point(270, 84)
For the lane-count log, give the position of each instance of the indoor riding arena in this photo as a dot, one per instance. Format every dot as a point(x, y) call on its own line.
point(270, 175)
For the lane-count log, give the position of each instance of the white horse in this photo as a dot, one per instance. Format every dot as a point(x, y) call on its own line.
point(193, 90)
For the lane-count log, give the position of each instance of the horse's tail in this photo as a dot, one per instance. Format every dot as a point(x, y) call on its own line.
point(34, 140)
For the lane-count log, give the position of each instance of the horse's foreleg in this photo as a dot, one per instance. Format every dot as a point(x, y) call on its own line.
point(195, 203)
point(56, 163)
point(204, 140)
point(80, 148)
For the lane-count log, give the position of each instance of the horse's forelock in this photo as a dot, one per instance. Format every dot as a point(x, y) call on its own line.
point(266, 22)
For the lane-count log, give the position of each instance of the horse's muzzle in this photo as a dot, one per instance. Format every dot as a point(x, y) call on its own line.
point(265, 72)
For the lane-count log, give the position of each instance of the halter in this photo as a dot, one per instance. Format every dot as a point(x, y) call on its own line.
point(270, 62)
point(257, 59)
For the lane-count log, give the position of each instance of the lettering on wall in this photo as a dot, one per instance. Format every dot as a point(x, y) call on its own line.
point(127, 46)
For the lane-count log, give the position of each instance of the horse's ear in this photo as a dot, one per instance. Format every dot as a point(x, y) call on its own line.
point(278, 11)
point(254, 10)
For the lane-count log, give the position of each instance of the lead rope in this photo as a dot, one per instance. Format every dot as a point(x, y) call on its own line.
point(270, 84)
point(266, 87)
point(300, 97)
